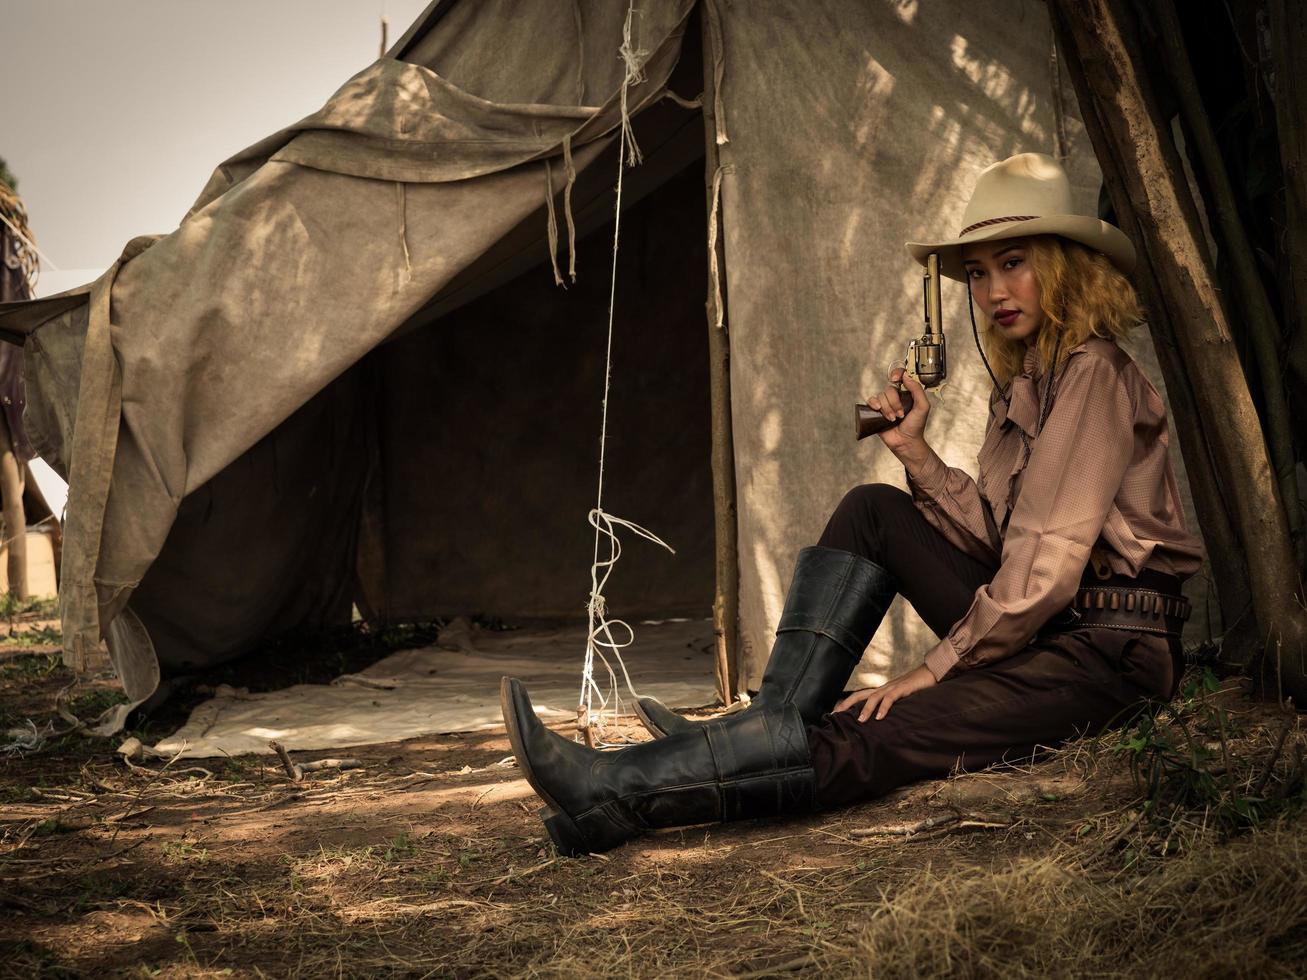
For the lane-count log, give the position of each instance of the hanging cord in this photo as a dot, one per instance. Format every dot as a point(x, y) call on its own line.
point(971, 309)
point(600, 635)
point(567, 206)
point(551, 217)
point(1048, 387)
point(1003, 395)
point(551, 222)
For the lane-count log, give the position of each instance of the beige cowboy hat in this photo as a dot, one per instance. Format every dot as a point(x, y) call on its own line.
point(1027, 194)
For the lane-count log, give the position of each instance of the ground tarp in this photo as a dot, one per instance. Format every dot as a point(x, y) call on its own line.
point(450, 687)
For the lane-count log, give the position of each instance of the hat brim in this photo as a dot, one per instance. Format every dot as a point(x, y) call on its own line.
point(1093, 232)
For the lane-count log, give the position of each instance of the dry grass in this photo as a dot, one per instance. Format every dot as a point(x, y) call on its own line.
point(1233, 910)
point(429, 861)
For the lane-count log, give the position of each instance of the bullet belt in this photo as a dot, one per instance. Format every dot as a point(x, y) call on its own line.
point(1151, 603)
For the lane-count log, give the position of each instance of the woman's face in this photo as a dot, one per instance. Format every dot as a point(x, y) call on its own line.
point(1004, 286)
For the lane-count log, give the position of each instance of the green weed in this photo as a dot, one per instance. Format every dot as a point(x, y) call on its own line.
point(31, 666)
point(401, 847)
point(1185, 769)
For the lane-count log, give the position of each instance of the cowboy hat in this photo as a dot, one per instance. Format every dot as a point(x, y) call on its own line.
point(1027, 194)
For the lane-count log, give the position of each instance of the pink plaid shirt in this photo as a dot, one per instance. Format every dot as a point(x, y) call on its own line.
point(1099, 474)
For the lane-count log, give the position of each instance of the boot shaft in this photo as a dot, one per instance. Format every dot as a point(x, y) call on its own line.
point(839, 595)
point(834, 606)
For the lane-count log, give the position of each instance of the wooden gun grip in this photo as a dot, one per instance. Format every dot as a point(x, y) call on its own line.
point(868, 421)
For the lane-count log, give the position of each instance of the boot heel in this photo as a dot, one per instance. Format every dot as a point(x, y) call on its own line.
point(563, 832)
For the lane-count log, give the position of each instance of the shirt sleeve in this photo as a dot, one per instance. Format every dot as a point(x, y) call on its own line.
point(951, 502)
point(1076, 467)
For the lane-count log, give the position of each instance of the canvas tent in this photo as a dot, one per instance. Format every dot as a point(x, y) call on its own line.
point(349, 376)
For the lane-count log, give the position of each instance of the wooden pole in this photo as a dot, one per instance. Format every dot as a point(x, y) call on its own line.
point(1224, 553)
point(1102, 37)
point(726, 600)
point(15, 523)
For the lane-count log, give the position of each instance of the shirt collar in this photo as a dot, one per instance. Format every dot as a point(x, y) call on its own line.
point(1026, 390)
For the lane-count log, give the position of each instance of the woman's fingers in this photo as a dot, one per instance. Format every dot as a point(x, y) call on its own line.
point(885, 704)
point(879, 404)
point(889, 403)
point(892, 396)
point(875, 698)
point(879, 701)
point(893, 403)
point(876, 701)
point(848, 702)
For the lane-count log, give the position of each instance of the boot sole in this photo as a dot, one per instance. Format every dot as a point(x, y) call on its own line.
point(562, 831)
point(650, 726)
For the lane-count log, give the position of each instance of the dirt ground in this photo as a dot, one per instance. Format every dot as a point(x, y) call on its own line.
point(428, 859)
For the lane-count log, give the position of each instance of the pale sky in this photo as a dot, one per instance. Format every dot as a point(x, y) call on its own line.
point(115, 112)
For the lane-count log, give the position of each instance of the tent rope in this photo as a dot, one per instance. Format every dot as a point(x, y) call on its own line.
point(551, 222)
point(600, 635)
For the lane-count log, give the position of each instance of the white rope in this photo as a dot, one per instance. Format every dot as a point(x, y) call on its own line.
point(8, 539)
point(600, 636)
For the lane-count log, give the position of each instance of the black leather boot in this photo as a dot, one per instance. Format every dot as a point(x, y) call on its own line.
point(753, 765)
point(833, 609)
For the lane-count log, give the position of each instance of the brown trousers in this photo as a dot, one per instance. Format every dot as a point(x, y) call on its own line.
point(1060, 686)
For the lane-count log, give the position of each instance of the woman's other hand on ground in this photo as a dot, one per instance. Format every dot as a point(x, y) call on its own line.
point(881, 699)
point(909, 434)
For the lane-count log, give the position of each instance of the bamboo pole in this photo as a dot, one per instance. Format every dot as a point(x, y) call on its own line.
point(726, 600)
point(1101, 36)
point(1263, 326)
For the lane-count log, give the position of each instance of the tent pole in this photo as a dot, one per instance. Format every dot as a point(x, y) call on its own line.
point(726, 600)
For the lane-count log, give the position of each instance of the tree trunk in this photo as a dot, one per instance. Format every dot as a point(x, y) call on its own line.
point(1102, 37)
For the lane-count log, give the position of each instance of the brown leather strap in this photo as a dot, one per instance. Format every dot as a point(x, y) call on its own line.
point(1117, 607)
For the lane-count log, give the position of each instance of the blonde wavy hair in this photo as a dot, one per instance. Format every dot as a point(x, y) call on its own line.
point(1080, 293)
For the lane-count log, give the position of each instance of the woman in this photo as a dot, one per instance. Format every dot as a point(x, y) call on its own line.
point(1053, 581)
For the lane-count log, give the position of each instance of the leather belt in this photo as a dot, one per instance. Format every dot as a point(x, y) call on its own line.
point(1150, 603)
